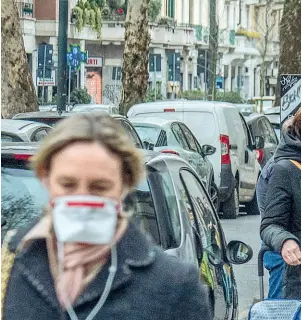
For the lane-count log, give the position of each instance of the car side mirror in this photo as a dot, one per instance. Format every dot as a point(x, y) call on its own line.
point(259, 142)
point(238, 252)
point(208, 150)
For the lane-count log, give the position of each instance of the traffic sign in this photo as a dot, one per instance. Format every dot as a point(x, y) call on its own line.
point(75, 56)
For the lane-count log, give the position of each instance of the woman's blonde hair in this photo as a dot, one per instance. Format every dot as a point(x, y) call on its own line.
point(93, 127)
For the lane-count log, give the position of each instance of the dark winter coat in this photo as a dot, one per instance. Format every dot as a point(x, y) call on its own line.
point(148, 285)
point(281, 218)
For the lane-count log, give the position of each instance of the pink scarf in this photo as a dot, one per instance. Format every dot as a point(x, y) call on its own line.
point(79, 262)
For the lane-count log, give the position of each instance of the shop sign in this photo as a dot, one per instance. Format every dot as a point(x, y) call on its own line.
point(94, 62)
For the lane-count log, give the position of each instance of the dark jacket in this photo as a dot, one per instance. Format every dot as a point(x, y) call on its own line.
point(281, 218)
point(148, 285)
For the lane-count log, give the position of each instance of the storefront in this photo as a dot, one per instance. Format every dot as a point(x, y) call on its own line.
point(94, 79)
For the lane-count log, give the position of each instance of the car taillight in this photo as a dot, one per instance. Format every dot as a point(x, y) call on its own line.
point(169, 110)
point(225, 149)
point(24, 157)
point(170, 152)
point(259, 155)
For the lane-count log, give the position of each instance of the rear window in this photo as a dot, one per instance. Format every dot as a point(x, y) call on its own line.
point(202, 125)
point(23, 196)
point(148, 134)
point(140, 204)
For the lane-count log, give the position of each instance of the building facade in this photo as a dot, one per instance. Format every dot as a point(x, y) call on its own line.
point(179, 49)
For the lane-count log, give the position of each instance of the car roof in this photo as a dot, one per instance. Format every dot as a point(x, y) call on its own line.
point(153, 121)
point(10, 125)
point(181, 105)
point(55, 114)
point(40, 114)
point(254, 116)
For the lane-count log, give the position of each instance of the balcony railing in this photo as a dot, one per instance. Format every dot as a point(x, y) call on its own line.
point(26, 10)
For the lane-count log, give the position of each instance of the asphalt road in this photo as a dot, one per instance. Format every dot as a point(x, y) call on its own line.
point(246, 229)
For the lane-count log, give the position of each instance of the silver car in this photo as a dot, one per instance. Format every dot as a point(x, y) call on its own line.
point(21, 130)
point(174, 137)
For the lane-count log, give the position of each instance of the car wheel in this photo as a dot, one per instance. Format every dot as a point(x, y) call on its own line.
point(252, 208)
point(230, 208)
point(214, 193)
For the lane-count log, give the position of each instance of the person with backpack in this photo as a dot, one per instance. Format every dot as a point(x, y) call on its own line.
point(273, 261)
point(281, 221)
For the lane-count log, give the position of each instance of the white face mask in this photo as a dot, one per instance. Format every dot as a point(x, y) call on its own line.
point(85, 219)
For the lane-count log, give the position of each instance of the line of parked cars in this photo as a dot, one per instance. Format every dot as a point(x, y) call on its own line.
point(172, 205)
point(200, 157)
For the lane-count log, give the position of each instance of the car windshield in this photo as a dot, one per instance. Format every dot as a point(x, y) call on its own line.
point(148, 134)
point(23, 197)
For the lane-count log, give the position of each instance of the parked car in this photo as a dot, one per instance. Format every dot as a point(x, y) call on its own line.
point(111, 109)
point(19, 130)
point(51, 118)
point(218, 124)
point(273, 115)
point(169, 136)
point(171, 205)
point(260, 126)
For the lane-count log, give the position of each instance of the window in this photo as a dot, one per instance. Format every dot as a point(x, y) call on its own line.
point(162, 140)
point(248, 18)
point(208, 225)
point(228, 15)
point(267, 131)
point(132, 134)
point(171, 202)
point(140, 204)
point(40, 134)
point(22, 196)
point(179, 136)
point(9, 138)
point(248, 139)
point(189, 137)
point(148, 134)
point(257, 19)
point(171, 8)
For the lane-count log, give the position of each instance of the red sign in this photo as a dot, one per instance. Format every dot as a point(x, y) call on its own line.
point(94, 62)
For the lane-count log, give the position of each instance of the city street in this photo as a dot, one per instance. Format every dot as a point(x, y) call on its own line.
point(245, 228)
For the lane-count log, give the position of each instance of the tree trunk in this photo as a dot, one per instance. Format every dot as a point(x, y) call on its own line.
point(17, 89)
point(290, 42)
point(135, 66)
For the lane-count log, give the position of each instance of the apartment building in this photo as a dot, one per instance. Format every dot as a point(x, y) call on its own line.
point(183, 29)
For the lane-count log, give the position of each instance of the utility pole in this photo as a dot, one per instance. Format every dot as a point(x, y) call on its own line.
point(62, 53)
point(213, 47)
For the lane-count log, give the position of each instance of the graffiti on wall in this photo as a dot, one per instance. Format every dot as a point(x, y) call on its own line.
point(112, 93)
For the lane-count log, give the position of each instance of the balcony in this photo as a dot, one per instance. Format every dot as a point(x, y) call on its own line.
point(172, 36)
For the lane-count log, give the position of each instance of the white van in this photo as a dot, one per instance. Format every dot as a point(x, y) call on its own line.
point(219, 124)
